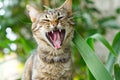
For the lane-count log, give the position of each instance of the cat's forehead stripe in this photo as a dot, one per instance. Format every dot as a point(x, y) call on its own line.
point(53, 11)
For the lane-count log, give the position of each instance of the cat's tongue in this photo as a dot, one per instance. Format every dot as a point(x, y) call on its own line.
point(56, 40)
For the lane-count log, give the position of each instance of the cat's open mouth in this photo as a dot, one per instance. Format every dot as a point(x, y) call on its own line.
point(56, 37)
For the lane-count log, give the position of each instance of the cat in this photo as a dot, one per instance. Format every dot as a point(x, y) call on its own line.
point(53, 31)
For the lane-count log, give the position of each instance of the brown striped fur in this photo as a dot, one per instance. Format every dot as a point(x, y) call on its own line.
point(48, 63)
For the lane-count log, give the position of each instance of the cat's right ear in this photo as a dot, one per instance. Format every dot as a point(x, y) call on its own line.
point(33, 13)
point(67, 5)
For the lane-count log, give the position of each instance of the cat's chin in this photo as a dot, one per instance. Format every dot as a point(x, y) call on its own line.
point(56, 37)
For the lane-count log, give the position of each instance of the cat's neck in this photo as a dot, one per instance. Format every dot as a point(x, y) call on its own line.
point(54, 56)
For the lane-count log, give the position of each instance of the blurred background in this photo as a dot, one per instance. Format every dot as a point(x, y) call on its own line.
point(17, 42)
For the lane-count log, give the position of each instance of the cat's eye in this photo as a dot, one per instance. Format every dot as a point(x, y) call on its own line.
point(46, 20)
point(46, 16)
point(58, 13)
point(60, 17)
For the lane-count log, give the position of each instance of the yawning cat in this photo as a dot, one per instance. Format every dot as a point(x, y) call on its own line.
point(53, 30)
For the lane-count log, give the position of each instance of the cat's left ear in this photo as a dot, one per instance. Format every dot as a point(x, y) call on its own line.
point(67, 5)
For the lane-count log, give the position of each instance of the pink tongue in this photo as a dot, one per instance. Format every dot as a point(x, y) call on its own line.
point(56, 40)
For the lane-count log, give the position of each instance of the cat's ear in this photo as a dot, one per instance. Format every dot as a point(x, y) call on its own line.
point(67, 5)
point(33, 12)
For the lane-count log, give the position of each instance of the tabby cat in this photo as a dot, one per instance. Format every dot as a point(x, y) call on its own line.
point(53, 31)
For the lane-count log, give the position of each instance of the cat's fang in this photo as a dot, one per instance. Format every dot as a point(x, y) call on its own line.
point(60, 30)
point(52, 32)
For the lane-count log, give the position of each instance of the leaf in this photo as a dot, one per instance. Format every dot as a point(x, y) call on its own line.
point(103, 41)
point(102, 20)
point(93, 63)
point(90, 76)
point(111, 24)
point(117, 71)
point(24, 42)
point(87, 18)
point(111, 59)
point(90, 1)
point(2, 44)
point(118, 10)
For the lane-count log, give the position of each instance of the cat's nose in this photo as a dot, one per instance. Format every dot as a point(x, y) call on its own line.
point(54, 23)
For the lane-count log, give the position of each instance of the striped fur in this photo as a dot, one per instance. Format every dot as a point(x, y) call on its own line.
point(48, 63)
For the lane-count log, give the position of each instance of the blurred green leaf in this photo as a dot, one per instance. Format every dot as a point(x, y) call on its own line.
point(93, 63)
point(2, 44)
point(104, 19)
point(90, 76)
point(87, 19)
point(25, 45)
point(111, 24)
point(89, 1)
point(118, 10)
point(111, 59)
point(94, 10)
point(117, 72)
point(103, 41)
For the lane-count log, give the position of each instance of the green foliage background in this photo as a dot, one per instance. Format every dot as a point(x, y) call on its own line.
point(86, 19)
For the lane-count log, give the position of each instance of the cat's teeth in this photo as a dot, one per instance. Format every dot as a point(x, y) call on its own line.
point(60, 30)
point(52, 32)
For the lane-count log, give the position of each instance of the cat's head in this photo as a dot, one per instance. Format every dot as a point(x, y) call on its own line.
point(53, 28)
